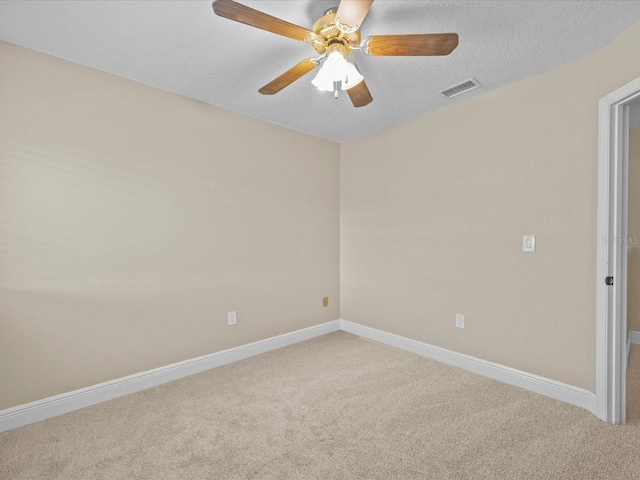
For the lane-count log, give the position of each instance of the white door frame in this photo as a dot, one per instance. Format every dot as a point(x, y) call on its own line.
point(611, 301)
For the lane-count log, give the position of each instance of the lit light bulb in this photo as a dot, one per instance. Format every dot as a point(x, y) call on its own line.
point(336, 69)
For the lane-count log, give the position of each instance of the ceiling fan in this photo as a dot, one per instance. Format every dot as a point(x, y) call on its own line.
point(335, 36)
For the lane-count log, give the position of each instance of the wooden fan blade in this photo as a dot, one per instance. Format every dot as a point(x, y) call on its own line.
point(243, 14)
point(426, 44)
point(351, 13)
point(290, 76)
point(360, 95)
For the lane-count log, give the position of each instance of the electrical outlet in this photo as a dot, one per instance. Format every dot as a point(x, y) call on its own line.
point(231, 318)
point(325, 301)
point(459, 320)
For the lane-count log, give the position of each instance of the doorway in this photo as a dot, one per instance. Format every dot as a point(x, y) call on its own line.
point(613, 252)
point(633, 269)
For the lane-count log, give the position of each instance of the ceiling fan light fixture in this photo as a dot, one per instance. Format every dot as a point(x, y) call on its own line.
point(336, 69)
point(335, 36)
point(353, 78)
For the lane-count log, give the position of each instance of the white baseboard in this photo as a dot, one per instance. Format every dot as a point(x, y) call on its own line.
point(550, 388)
point(50, 407)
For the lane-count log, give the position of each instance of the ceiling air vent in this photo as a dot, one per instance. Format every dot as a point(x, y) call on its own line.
point(461, 88)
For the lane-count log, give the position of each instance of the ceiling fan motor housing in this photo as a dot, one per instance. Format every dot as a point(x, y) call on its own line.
point(330, 38)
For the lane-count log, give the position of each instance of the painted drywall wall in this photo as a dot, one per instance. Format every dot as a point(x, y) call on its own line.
point(633, 266)
point(433, 212)
point(132, 220)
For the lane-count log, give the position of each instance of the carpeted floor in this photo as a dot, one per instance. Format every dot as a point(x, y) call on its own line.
point(336, 407)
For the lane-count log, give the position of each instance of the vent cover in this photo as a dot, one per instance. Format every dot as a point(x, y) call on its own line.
point(461, 88)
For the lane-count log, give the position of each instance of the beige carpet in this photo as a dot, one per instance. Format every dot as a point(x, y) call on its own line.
point(336, 407)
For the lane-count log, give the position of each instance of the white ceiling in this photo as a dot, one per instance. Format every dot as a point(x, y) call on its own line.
point(183, 47)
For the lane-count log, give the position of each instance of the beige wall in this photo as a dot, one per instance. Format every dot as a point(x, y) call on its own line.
point(433, 212)
point(133, 220)
point(633, 273)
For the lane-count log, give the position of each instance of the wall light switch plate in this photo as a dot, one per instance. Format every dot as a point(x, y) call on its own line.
point(529, 243)
point(325, 301)
point(231, 318)
point(459, 320)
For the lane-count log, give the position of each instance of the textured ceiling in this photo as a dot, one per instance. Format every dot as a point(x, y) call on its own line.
point(183, 47)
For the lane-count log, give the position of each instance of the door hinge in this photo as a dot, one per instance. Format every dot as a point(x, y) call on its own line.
point(608, 281)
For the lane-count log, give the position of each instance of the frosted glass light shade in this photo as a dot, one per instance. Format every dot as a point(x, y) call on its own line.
point(336, 69)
